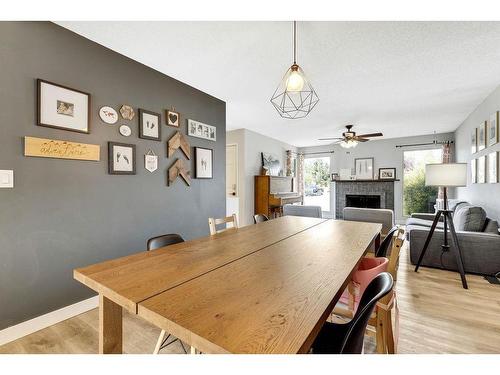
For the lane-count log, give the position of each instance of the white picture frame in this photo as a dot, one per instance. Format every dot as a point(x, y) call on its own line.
point(481, 170)
point(204, 160)
point(492, 131)
point(363, 168)
point(492, 168)
point(200, 130)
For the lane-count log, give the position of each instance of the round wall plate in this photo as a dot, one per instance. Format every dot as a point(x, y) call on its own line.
point(127, 112)
point(125, 130)
point(108, 115)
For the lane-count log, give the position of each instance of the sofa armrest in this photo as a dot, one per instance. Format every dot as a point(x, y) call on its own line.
point(480, 251)
point(425, 216)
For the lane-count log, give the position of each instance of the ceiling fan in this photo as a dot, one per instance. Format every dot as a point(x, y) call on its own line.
point(349, 138)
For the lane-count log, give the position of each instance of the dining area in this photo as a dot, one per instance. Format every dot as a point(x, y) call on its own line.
point(266, 288)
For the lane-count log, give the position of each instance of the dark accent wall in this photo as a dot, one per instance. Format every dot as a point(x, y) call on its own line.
point(64, 214)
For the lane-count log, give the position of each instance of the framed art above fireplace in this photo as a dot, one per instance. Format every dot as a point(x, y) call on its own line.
point(363, 168)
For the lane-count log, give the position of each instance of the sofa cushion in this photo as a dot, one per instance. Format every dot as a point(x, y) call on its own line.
point(458, 206)
point(491, 226)
point(469, 219)
point(423, 223)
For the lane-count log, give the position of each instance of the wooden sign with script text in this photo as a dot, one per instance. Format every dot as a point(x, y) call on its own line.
point(52, 148)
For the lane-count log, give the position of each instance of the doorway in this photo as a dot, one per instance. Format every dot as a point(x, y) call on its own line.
point(317, 183)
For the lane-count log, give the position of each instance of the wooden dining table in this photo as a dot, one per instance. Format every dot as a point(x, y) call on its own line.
point(263, 288)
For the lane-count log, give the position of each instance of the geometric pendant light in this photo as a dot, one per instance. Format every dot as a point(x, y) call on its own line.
point(294, 97)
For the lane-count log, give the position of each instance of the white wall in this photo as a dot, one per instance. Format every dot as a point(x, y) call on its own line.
point(385, 155)
point(250, 146)
point(485, 195)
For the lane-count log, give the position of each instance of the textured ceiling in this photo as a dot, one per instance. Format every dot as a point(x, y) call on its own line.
point(401, 78)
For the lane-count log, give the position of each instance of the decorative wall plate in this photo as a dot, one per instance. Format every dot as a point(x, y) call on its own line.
point(108, 115)
point(125, 130)
point(127, 112)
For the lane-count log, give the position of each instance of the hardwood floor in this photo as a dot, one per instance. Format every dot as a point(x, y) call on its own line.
point(436, 316)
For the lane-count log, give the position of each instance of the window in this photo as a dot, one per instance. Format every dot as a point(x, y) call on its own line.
point(317, 182)
point(416, 196)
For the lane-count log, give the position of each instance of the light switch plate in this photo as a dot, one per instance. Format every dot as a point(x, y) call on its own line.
point(6, 178)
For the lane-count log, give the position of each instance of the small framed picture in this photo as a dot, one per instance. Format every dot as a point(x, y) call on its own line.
point(203, 162)
point(493, 129)
point(62, 107)
point(363, 168)
point(492, 165)
point(173, 118)
point(149, 125)
point(473, 171)
point(387, 173)
point(201, 130)
point(481, 136)
point(481, 170)
point(473, 141)
point(121, 158)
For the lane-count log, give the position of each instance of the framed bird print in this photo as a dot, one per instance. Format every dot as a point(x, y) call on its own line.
point(149, 125)
point(121, 158)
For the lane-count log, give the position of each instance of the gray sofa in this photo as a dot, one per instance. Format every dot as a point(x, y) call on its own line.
point(478, 236)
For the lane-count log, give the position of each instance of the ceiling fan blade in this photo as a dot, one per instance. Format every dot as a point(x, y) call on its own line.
point(359, 139)
point(329, 139)
point(371, 135)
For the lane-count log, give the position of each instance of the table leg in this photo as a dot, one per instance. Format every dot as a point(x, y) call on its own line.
point(110, 326)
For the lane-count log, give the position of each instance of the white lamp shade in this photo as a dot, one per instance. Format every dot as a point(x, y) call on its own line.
point(449, 174)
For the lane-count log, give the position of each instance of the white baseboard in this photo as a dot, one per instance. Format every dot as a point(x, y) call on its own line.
point(40, 322)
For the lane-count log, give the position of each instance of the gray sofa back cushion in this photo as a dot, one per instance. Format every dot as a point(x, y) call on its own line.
point(308, 211)
point(459, 205)
point(491, 226)
point(469, 219)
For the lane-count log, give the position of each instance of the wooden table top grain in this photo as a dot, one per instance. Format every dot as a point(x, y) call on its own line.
point(272, 301)
point(135, 278)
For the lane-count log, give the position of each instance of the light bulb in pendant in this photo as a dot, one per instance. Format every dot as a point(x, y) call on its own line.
point(295, 81)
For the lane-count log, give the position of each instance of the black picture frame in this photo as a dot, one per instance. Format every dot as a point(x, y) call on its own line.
point(196, 170)
point(141, 125)
point(39, 99)
point(385, 178)
point(111, 163)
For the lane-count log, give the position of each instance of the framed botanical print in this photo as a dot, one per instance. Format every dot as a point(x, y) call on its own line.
point(173, 118)
point(492, 132)
point(203, 162)
point(121, 158)
point(492, 167)
point(473, 141)
point(481, 170)
point(363, 168)
point(473, 171)
point(149, 125)
point(481, 136)
point(62, 107)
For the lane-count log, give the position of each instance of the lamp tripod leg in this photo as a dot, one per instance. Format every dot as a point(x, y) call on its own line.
point(428, 240)
point(457, 251)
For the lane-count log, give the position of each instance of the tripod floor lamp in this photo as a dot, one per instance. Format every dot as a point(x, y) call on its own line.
point(445, 176)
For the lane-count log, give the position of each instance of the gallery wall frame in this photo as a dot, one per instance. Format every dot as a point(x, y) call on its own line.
point(203, 163)
point(121, 158)
point(149, 125)
point(62, 107)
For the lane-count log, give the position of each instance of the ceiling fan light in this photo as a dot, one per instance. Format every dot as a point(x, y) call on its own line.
point(350, 143)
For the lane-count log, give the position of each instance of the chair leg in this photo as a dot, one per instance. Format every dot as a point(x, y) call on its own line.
point(193, 350)
point(389, 334)
point(380, 332)
point(160, 341)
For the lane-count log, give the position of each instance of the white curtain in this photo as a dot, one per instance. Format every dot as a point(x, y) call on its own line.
point(300, 173)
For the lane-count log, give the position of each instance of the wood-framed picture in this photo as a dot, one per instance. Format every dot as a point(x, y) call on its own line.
point(473, 171)
point(149, 125)
point(201, 130)
point(363, 168)
point(173, 118)
point(204, 158)
point(121, 158)
point(62, 107)
point(481, 137)
point(492, 167)
point(481, 170)
point(492, 131)
point(387, 173)
point(473, 141)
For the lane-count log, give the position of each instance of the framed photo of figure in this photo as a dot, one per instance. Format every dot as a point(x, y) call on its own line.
point(363, 168)
point(492, 132)
point(492, 167)
point(149, 125)
point(473, 141)
point(204, 158)
point(481, 136)
point(387, 173)
point(62, 107)
point(121, 158)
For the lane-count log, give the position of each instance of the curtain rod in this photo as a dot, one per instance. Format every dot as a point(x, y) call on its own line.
point(312, 153)
point(426, 144)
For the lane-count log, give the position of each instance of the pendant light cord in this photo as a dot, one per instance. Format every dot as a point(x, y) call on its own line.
point(295, 42)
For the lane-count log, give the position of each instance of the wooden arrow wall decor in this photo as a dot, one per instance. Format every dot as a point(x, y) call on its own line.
point(178, 141)
point(178, 169)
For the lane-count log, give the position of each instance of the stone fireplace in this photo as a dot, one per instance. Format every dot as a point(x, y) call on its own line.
point(366, 194)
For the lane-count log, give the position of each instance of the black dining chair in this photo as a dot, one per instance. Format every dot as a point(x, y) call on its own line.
point(259, 218)
point(348, 338)
point(384, 246)
point(156, 243)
